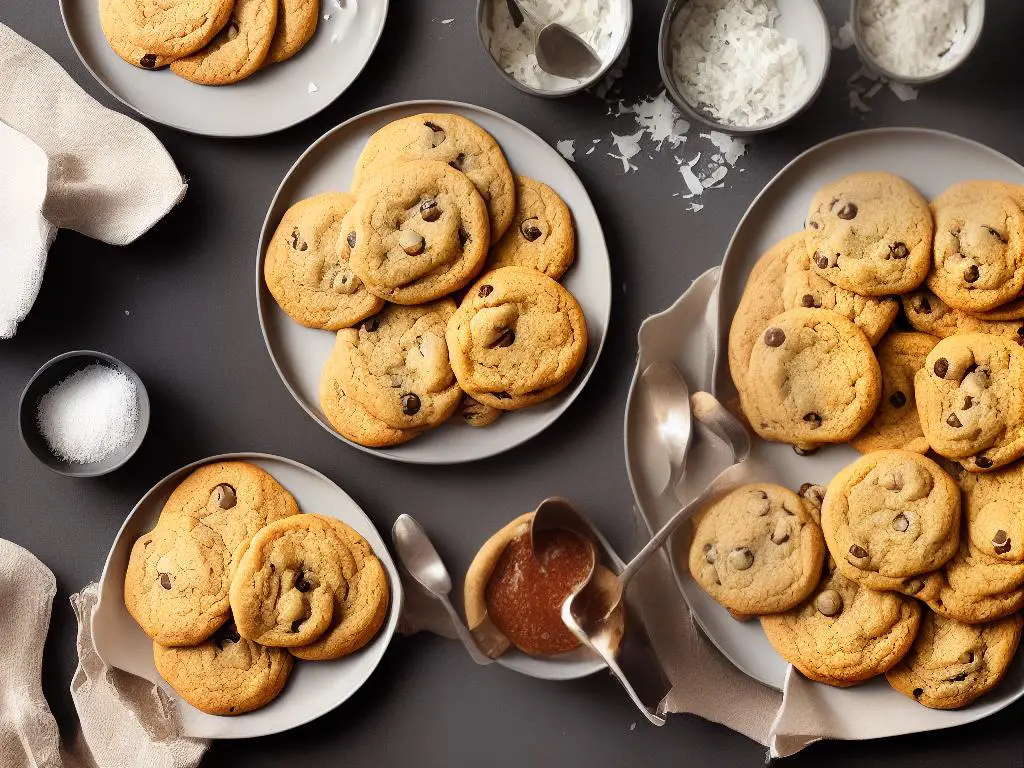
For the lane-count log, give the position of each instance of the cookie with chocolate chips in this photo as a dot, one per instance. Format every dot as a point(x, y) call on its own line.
point(226, 674)
point(116, 28)
point(169, 28)
point(449, 139)
point(817, 379)
point(891, 519)
point(979, 245)
point(541, 235)
point(951, 664)
point(307, 266)
point(844, 633)
point(870, 233)
point(418, 232)
point(970, 398)
point(475, 414)
point(992, 507)
point(896, 423)
point(757, 550)
point(517, 339)
point(929, 314)
point(237, 51)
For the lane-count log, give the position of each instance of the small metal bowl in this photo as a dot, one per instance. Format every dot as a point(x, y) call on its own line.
point(51, 374)
point(975, 21)
point(802, 20)
point(483, 29)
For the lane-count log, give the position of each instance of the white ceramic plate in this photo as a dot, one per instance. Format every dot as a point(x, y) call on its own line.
point(299, 353)
point(269, 100)
point(693, 334)
point(314, 688)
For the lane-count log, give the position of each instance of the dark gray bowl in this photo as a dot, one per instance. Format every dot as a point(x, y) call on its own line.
point(53, 372)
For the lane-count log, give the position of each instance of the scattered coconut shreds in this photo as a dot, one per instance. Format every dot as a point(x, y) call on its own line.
point(567, 148)
point(312, 88)
point(447, 21)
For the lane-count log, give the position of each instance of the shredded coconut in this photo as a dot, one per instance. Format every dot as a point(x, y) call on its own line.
point(90, 415)
point(600, 23)
point(729, 60)
point(312, 88)
point(567, 148)
point(914, 37)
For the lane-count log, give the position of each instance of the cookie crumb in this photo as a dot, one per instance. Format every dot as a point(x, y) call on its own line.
point(312, 88)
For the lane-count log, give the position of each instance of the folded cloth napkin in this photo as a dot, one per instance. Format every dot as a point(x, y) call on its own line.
point(66, 162)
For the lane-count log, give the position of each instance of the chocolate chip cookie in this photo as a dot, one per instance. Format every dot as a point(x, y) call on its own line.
point(927, 313)
point(970, 398)
point(870, 233)
point(170, 28)
point(418, 232)
point(116, 28)
point(450, 139)
point(475, 413)
point(992, 507)
point(296, 23)
point(757, 550)
point(895, 423)
point(891, 519)
point(976, 588)
point(817, 379)
point(951, 664)
point(395, 365)
point(237, 51)
point(844, 633)
point(307, 266)
point(517, 339)
point(541, 235)
point(979, 245)
point(226, 674)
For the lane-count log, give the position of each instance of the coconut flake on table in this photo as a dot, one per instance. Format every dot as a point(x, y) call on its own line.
point(914, 38)
point(729, 60)
point(567, 149)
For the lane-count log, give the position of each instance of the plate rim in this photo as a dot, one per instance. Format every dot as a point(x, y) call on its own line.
point(717, 371)
point(386, 633)
point(266, 232)
point(217, 134)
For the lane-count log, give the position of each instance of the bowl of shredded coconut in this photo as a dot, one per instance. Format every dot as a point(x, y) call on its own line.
point(84, 414)
point(916, 41)
point(604, 25)
point(744, 66)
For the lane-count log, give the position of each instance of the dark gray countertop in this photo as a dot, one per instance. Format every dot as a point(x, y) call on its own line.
point(178, 306)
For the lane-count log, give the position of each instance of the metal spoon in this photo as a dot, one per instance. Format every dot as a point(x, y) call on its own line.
point(560, 51)
point(421, 560)
point(669, 399)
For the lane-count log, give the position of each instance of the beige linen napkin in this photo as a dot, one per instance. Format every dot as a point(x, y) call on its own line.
point(67, 162)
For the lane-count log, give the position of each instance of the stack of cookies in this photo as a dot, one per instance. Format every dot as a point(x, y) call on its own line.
point(394, 266)
point(234, 583)
point(210, 42)
point(908, 574)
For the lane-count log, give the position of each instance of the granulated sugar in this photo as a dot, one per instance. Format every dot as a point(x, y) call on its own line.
point(90, 415)
point(728, 59)
point(913, 37)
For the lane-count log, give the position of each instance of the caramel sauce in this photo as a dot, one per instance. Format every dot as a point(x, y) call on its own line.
point(525, 593)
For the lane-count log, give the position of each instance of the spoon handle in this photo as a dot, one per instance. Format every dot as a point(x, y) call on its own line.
point(467, 639)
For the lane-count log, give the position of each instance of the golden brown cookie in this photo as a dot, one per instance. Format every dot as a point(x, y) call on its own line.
point(927, 313)
point(976, 588)
point(475, 413)
point(237, 51)
point(171, 28)
point(225, 675)
point(296, 23)
point(951, 664)
point(541, 235)
point(113, 21)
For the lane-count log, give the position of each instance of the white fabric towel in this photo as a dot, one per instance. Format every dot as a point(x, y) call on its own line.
point(67, 162)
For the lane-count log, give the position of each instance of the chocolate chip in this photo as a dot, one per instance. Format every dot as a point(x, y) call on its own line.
point(301, 584)
point(458, 162)
point(800, 450)
point(438, 136)
point(983, 461)
point(898, 399)
point(807, 301)
point(781, 533)
point(899, 250)
point(411, 242)
point(829, 603)
point(813, 493)
point(485, 290)
point(966, 657)
point(941, 367)
point(774, 337)
point(429, 210)
point(858, 551)
point(710, 553)
point(924, 306)
point(918, 692)
point(813, 420)
point(410, 404)
point(165, 580)
point(1001, 543)
point(148, 61)
point(530, 230)
point(847, 212)
point(813, 224)
point(953, 421)
point(507, 338)
point(224, 496)
point(371, 324)
point(996, 235)
point(971, 274)
point(351, 239)
point(821, 260)
point(900, 523)
point(298, 243)
point(741, 558)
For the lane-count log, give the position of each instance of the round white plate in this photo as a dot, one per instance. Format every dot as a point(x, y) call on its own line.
point(315, 687)
point(299, 353)
point(685, 333)
point(269, 100)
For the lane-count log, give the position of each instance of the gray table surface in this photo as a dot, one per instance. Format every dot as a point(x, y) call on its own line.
point(178, 306)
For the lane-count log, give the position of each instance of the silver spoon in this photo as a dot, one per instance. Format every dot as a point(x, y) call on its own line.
point(560, 51)
point(421, 560)
point(669, 399)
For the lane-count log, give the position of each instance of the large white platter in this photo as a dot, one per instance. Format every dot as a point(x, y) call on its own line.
point(314, 688)
point(270, 100)
point(299, 353)
point(693, 333)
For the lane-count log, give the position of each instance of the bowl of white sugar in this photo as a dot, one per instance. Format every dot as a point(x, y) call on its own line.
point(916, 41)
point(84, 414)
point(744, 66)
